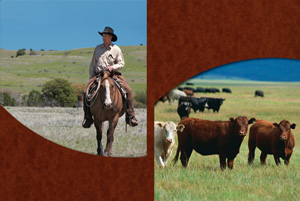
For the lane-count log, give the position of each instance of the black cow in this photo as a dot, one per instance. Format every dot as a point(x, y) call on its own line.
point(215, 103)
point(196, 103)
point(259, 93)
point(184, 109)
point(200, 89)
point(212, 90)
point(226, 90)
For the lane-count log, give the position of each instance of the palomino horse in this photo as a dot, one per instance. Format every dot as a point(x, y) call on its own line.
point(107, 106)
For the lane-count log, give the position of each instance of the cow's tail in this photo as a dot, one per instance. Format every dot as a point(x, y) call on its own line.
point(175, 159)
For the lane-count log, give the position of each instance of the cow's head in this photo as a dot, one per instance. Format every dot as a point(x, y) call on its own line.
point(241, 125)
point(285, 129)
point(187, 105)
point(222, 100)
point(170, 129)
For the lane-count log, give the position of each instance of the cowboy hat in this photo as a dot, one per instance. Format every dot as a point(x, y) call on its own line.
point(110, 31)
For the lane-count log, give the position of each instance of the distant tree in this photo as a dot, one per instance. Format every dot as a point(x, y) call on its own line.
point(141, 44)
point(34, 98)
point(7, 100)
point(58, 92)
point(79, 89)
point(42, 50)
point(21, 52)
point(32, 52)
point(141, 96)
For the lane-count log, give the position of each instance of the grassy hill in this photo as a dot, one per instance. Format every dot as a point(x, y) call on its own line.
point(25, 73)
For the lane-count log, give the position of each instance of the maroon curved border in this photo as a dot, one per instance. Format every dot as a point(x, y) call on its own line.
point(184, 39)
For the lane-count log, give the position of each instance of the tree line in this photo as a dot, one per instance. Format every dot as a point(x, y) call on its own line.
point(58, 92)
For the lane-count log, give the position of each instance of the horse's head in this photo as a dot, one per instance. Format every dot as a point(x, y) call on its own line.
point(107, 88)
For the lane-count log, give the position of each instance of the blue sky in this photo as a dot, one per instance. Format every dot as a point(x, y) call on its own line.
point(268, 69)
point(66, 24)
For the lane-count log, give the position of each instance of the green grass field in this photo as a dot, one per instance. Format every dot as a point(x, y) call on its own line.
point(25, 73)
point(63, 126)
point(203, 179)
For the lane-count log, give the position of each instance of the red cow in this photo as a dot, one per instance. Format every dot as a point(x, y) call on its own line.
point(271, 138)
point(212, 137)
point(189, 92)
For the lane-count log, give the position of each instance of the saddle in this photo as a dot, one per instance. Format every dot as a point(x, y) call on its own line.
point(94, 86)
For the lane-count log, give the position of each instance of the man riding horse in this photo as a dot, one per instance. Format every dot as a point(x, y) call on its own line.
point(109, 57)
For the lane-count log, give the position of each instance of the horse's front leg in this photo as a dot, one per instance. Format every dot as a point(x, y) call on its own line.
point(110, 135)
point(99, 138)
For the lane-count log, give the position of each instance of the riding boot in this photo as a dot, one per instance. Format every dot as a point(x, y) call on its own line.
point(130, 114)
point(88, 119)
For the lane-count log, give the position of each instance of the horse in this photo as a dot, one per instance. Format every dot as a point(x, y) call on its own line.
point(107, 105)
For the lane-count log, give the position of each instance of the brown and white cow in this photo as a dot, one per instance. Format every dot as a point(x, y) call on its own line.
point(172, 95)
point(164, 140)
point(271, 138)
point(212, 137)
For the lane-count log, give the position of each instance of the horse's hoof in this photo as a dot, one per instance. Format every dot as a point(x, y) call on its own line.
point(108, 154)
point(133, 121)
point(87, 123)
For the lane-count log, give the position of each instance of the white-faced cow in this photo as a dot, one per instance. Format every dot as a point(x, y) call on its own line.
point(184, 109)
point(164, 140)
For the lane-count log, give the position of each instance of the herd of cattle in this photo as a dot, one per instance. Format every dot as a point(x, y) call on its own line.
point(218, 137)
point(186, 101)
point(223, 138)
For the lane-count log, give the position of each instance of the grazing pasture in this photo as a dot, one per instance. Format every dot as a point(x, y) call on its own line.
point(204, 180)
point(25, 73)
point(63, 126)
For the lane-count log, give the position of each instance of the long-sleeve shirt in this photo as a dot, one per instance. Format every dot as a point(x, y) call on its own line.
point(103, 58)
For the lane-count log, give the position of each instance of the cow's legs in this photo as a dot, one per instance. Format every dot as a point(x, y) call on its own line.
point(99, 138)
point(263, 158)
point(222, 158)
point(110, 135)
point(230, 162)
point(160, 161)
point(287, 160)
point(185, 155)
point(251, 154)
point(168, 156)
point(277, 159)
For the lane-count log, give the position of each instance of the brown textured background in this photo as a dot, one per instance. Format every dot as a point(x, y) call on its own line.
point(184, 39)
